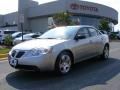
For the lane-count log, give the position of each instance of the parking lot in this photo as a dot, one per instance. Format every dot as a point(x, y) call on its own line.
point(92, 74)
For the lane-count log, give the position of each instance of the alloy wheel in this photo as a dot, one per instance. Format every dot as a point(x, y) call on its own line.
point(65, 64)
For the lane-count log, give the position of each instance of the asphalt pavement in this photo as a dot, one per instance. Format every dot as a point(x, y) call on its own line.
point(93, 74)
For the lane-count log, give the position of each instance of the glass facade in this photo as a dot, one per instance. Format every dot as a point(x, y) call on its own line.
point(82, 20)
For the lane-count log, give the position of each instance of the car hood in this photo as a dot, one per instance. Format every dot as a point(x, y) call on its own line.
point(20, 39)
point(38, 43)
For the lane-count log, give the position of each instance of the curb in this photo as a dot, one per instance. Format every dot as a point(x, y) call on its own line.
point(3, 59)
point(3, 56)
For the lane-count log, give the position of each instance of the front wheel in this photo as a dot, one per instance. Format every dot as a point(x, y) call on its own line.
point(63, 63)
point(105, 54)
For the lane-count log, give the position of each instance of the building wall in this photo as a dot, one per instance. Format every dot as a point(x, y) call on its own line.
point(90, 21)
point(92, 9)
point(36, 16)
point(9, 21)
point(11, 18)
point(1, 20)
point(23, 7)
point(10, 28)
point(39, 24)
point(88, 13)
point(82, 20)
point(74, 6)
point(47, 9)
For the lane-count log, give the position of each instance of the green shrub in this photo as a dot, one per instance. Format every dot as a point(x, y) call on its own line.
point(113, 36)
point(8, 41)
point(63, 19)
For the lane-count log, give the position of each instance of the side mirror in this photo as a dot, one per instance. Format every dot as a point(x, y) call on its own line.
point(79, 37)
point(103, 32)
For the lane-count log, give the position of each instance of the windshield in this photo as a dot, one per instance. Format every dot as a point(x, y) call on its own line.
point(9, 32)
point(26, 36)
point(60, 33)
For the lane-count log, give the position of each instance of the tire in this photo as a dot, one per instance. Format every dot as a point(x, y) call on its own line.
point(63, 63)
point(105, 54)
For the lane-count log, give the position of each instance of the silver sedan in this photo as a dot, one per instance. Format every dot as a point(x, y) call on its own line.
point(60, 48)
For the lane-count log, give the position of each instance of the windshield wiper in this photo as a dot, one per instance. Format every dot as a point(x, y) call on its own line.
point(50, 38)
point(46, 38)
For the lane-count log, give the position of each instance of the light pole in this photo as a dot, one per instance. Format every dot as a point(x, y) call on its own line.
point(21, 19)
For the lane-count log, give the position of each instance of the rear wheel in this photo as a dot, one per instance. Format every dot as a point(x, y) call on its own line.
point(105, 54)
point(63, 63)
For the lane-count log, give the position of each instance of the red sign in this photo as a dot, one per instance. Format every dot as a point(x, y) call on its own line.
point(75, 6)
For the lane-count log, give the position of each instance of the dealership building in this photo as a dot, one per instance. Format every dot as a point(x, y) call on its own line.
point(36, 17)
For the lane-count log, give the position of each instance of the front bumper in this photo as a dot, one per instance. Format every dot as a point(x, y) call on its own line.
point(42, 63)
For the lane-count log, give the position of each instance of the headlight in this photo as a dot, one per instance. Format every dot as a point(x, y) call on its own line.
point(40, 51)
point(10, 52)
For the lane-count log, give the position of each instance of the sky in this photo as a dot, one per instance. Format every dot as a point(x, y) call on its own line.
point(8, 6)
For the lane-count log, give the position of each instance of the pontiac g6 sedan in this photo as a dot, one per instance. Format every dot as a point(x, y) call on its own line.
point(60, 48)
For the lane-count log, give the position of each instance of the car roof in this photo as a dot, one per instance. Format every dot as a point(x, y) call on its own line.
point(79, 26)
point(9, 30)
point(17, 32)
point(29, 34)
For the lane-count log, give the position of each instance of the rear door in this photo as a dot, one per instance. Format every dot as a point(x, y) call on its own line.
point(95, 40)
point(83, 46)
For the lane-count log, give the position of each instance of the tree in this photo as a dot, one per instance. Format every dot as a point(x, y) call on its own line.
point(63, 19)
point(104, 25)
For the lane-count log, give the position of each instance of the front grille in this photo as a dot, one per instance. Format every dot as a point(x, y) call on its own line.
point(17, 54)
point(14, 53)
point(20, 54)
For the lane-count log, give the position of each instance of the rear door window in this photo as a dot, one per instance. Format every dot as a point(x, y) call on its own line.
point(93, 32)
